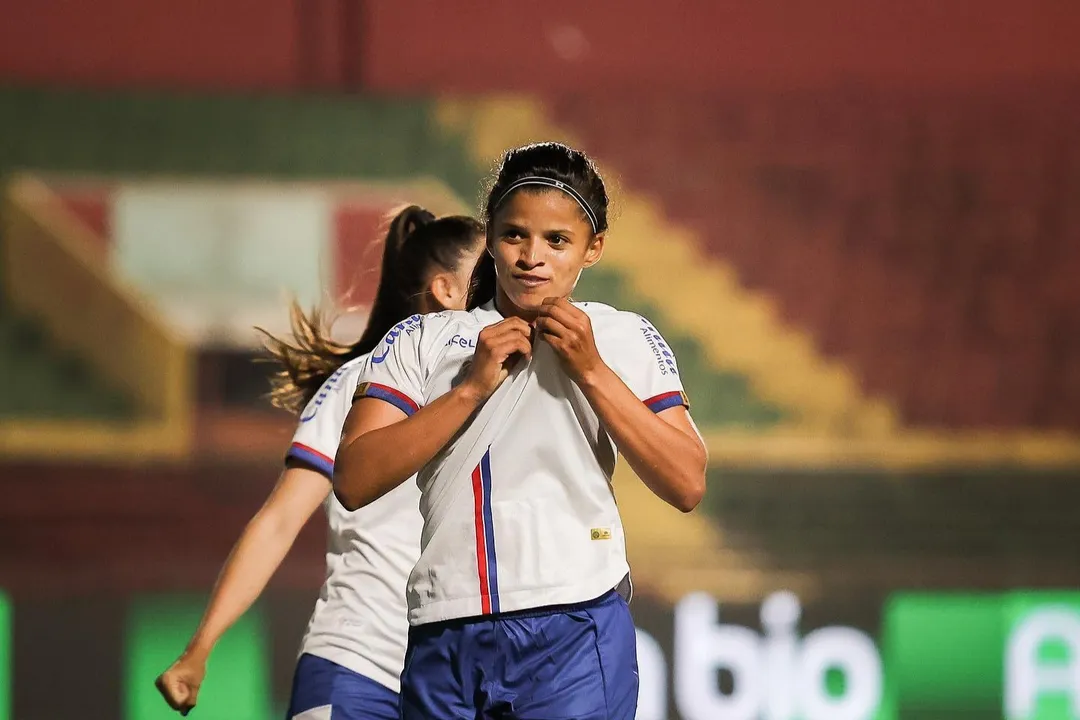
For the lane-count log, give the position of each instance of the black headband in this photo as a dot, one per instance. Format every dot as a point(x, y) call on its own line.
point(558, 185)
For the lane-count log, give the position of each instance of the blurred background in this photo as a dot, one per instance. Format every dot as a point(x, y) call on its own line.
point(856, 221)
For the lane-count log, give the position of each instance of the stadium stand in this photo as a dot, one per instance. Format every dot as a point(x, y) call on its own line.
point(147, 134)
point(902, 232)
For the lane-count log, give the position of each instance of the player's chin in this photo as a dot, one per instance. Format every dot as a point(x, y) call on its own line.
point(530, 299)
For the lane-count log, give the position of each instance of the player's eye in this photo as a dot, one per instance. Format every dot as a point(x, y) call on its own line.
point(558, 240)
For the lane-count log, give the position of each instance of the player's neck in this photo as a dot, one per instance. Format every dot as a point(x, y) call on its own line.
point(507, 308)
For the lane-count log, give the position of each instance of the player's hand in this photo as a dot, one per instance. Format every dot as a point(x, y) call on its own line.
point(179, 685)
point(498, 348)
point(569, 332)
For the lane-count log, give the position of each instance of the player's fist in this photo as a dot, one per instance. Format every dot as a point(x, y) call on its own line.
point(498, 348)
point(568, 330)
point(179, 685)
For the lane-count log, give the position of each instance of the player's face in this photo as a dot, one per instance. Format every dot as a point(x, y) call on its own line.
point(541, 242)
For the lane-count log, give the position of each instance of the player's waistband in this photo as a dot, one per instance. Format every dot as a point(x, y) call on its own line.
point(542, 611)
point(556, 609)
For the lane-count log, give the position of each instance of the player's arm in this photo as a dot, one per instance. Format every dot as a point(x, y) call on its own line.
point(663, 448)
point(661, 445)
point(258, 553)
point(255, 557)
point(382, 446)
point(388, 438)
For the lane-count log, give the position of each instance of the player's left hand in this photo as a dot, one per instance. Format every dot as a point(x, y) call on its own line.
point(179, 684)
point(569, 332)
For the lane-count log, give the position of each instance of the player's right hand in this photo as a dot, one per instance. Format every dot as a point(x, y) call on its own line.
point(179, 685)
point(498, 348)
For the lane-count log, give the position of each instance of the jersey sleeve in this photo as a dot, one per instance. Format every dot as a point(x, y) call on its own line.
point(648, 366)
point(394, 372)
point(318, 432)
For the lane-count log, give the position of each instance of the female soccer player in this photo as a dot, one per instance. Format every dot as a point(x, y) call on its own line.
point(511, 414)
point(352, 652)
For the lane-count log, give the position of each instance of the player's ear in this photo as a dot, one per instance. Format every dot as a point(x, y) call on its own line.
point(444, 292)
point(595, 250)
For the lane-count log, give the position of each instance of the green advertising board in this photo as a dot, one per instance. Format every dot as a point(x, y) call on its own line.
point(237, 685)
point(1014, 656)
point(938, 656)
point(5, 657)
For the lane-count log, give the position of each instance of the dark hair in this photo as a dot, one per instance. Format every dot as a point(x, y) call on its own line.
point(550, 161)
point(417, 244)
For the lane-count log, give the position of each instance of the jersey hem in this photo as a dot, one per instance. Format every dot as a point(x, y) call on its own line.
point(311, 458)
point(387, 394)
point(355, 663)
point(528, 599)
point(663, 401)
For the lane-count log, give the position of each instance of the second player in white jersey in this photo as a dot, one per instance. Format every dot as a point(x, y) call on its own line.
point(532, 527)
point(359, 620)
point(351, 656)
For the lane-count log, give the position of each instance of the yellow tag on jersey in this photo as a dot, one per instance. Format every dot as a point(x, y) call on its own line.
point(361, 391)
point(601, 533)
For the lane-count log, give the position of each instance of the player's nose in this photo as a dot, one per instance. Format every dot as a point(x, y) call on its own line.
point(531, 253)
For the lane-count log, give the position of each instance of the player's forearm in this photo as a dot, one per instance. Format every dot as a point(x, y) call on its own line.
point(253, 561)
point(373, 464)
point(667, 459)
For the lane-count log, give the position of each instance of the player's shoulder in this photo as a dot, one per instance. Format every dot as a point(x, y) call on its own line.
point(612, 319)
point(438, 325)
point(352, 368)
point(340, 377)
point(339, 383)
point(447, 318)
point(424, 333)
point(407, 330)
point(454, 321)
point(407, 327)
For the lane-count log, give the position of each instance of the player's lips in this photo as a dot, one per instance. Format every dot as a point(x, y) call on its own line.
point(531, 280)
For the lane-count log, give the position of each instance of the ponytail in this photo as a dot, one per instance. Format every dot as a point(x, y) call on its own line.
point(395, 296)
point(415, 243)
point(307, 361)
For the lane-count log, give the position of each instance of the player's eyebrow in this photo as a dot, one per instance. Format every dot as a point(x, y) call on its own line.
point(506, 226)
point(509, 225)
point(558, 231)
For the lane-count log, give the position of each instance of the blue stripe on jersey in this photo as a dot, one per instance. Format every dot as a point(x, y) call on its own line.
point(312, 457)
point(667, 400)
point(489, 531)
point(383, 392)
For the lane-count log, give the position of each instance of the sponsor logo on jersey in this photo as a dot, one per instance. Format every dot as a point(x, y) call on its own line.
point(462, 342)
point(312, 408)
point(406, 326)
point(665, 359)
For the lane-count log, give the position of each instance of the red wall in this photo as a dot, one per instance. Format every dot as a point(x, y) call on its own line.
point(224, 44)
point(476, 45)
point(88, 528)
point(705, 44)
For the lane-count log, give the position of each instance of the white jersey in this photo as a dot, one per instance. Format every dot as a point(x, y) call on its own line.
point(518, 509)
point(359, 620)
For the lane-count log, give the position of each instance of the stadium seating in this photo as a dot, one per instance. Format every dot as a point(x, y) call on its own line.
point(903, 233)
point(38, 380)
point(204, 135)
point(110, 134)
point(133, 134)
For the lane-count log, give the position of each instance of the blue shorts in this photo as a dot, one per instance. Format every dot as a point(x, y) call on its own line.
point(570, 663)
point(323, 690)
